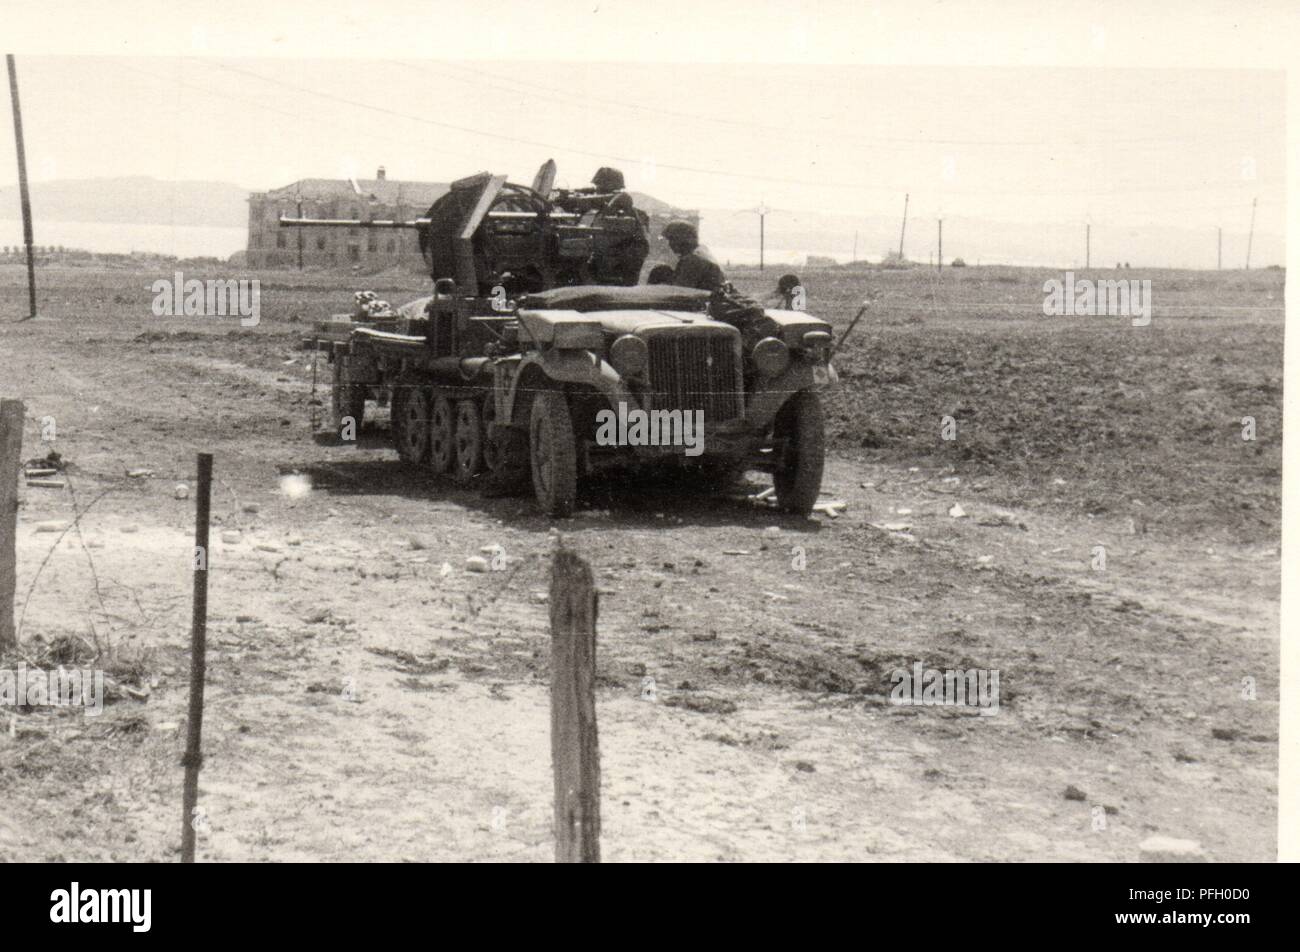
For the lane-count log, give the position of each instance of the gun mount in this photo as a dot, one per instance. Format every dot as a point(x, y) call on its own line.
point(487, 232)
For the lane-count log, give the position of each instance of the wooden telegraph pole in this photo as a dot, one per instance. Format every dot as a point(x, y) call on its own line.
point(11, 448)
point(902, 237)
point(940, 244)
point(1251, 239)
point(1219, 267)
point(25, 198)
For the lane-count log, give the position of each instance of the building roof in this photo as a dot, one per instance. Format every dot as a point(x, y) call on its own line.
point(385, 191)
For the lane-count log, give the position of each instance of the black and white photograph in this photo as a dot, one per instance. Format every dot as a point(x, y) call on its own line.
point(679, 433)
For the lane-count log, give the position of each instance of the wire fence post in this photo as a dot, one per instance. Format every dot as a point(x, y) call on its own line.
point(198, 657)
point(575, 753)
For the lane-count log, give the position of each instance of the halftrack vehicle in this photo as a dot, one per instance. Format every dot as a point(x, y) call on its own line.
point(538, 359)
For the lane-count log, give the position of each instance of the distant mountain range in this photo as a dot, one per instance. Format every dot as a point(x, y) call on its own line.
point(733, 235)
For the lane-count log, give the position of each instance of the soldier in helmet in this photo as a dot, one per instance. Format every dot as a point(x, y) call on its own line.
point(620, 231)
point(695, 266)
point(660, 274)
point(786, 292)
point(607, 196)
point(609, 182)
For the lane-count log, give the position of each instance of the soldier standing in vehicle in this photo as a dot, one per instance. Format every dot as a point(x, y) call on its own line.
point(695, 266)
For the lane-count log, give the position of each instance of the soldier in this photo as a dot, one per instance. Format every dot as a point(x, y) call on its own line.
point(607, 197)
point(621, 231)
point(660, 274)
point(695, 266)
point(783, 299)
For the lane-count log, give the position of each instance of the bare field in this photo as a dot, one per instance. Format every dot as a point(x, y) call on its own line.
point(363, 704)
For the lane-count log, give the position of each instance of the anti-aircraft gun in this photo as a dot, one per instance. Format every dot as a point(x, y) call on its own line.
point(538, 359)
point(487, 232)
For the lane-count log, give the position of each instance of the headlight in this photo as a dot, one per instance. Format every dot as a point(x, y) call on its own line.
point(629, 355)
point(817, 345)
point(771, 357)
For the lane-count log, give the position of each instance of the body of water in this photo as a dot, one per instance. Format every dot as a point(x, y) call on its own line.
point(183, 241)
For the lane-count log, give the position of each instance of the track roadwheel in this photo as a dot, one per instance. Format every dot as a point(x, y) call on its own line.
point(469, 439)
point(801, 432)
point(553, 453)
point(347, 400)
point(411, 423)
point(442, 432)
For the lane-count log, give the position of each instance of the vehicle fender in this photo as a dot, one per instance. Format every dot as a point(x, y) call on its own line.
point(580, 367)
point(769, 396)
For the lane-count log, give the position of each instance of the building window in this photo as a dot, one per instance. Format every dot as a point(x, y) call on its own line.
point(320, 243)
point(392, 245)
point(354, 252)
point(280, 241)
point(372, 244)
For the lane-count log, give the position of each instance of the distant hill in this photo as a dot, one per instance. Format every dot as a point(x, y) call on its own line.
point(135, 200)
point(731, 234)
point(653, 206)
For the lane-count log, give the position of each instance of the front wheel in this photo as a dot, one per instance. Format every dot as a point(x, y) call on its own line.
point(553, 452)
point(800, 433)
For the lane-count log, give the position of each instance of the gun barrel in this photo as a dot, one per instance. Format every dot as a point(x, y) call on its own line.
point(351, 223)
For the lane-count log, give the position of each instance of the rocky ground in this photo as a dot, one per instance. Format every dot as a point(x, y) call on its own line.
point(370, 698)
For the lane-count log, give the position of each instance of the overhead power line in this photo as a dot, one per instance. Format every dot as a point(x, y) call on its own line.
point(697, 170)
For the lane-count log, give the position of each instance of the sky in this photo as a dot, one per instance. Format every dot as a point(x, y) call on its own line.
point(1113, 146)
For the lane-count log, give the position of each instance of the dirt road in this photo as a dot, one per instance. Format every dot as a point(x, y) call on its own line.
point(370, 698)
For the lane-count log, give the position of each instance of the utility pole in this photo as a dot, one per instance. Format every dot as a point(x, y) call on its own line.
point(855, 246)
point(1251, 239)
point(25, 198)
point(761, 211)
point(940, 244)
point(1087, 246)
point(298, 195)
point(901, 237)
point(1219, 267)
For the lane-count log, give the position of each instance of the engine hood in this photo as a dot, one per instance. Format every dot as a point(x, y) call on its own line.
point(617, 323)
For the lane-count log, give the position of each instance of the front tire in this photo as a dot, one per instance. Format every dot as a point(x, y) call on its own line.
point(553, 452)
point(800, 432)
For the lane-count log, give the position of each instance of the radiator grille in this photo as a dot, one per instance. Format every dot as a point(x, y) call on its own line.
point(695, 372)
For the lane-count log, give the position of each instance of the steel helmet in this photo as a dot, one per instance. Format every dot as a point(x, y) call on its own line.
point(607, 179)
point(682, 230)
